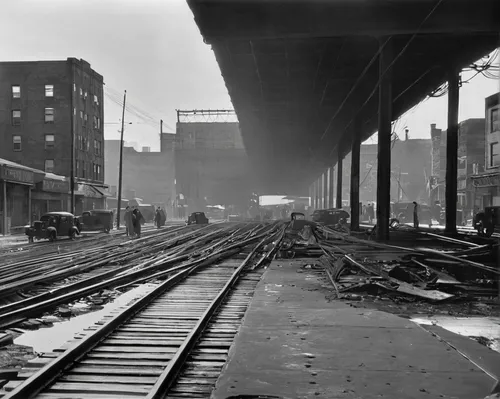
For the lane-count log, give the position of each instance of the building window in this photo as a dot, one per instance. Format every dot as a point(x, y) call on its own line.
point(49, 90)
point(84, 144)
point(16, 117)
point(81, 92)
point(494, 154)
point(77, 164)
point(16, 143)
point(81, 114)
point(84, 170)
point(85, 117)
point(98, 172)
point(95, 122)
point(49, 140)
point(96, 100)
point(49, 115)
point(74, 86)
point(49, 165)
point(494, 121)
point(16, 91)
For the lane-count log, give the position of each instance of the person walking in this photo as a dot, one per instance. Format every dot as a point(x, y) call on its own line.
point(137, 220)
point(415, 215)
point(158, 218)
point(127, 218)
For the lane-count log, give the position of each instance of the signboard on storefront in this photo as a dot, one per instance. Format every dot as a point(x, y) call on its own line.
point(17, 175)
point(487, 181)
point(58, 186)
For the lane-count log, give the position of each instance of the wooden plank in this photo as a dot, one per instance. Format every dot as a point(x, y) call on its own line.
point(134, 349)
point(143, 342)
point(129, 356)
point(115, 379)
point(101, 362)
point(116, 370)
point(46, 395)
point(77, 388)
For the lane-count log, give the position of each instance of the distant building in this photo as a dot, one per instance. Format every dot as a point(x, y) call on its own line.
point(212, 167)
point(470, 161)
point(410, 166)
point(147, 175)
point(487, 184)
point(42, 103)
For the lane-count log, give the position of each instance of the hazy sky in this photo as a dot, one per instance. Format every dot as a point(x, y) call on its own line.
point(153, 49)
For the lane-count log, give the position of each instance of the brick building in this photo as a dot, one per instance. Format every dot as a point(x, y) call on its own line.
point(42, 103)
point(211, 164)
point(487, 184)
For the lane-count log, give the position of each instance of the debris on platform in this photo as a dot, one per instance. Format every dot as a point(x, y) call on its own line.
point(359, 267)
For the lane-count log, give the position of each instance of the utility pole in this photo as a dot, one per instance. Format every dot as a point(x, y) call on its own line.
point(120, 171)
point(161, 134)
point(72, 167)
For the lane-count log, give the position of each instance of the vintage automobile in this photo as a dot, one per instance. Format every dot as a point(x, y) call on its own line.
point(96, 220)
point(488, 222)
point(197, 218)
point(53, 225)
point(330, 217)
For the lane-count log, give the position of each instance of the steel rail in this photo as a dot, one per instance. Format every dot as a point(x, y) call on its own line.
point(169, 374)
point(15, 313)
point(49, 373)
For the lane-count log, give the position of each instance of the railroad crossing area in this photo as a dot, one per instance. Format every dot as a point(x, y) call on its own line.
point(251, 310)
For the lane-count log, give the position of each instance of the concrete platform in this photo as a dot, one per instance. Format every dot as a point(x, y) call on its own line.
point(294, 343)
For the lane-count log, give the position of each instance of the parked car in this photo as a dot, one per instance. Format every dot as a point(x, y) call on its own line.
point(330, 217)
point(197, 218)
point(96, 220)
point(53, 225)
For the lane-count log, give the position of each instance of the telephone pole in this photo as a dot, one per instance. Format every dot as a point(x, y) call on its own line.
point(120, 171)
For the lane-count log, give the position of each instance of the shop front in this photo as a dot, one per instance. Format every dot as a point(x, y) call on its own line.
point(16, 182)
point(50, 195)
point(88, 197)
point(486, 190)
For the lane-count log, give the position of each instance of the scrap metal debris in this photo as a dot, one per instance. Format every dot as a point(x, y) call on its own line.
point(364, 267)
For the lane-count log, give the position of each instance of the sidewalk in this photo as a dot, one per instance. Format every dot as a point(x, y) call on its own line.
point(295, 344)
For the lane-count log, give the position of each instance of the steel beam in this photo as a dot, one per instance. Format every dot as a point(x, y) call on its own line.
point(339, 179)
point(331, 171)
point(384, 141)
point(233, 21)
point(452, 152)
point(355, 159)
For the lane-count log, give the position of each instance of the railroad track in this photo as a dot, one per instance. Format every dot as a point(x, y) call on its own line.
point(165, 342)
point(119, 269)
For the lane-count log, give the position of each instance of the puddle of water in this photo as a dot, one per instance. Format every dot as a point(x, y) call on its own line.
point(487, 327)
point(48, 339)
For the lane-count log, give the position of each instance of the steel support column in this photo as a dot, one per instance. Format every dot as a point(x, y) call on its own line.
point(355, 159)
point(452, 152)
point(339, 181)
point(4, 207)
point(331, 171)
point(311, 195)
point(325, 189)
point(317, 194)
point(384, 141)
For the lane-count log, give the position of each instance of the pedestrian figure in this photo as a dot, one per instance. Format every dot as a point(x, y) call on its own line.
point(371, 212)
point(129, 227)
point(415, 215)
point(158, 218)
point(137, 220)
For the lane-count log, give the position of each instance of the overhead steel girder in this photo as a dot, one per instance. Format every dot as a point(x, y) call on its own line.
point(317, 19)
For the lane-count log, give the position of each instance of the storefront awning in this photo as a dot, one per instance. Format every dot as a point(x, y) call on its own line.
point(17, 173)
point(486, 180)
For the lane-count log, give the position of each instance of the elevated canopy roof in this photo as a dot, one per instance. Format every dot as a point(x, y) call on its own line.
point(300, 72)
